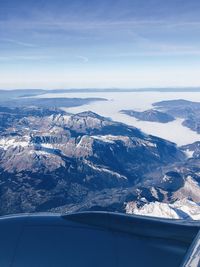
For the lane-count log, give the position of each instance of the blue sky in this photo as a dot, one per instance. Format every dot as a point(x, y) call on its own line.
point(93, 43)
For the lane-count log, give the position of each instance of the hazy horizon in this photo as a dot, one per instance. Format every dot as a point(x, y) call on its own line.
point(112, 89)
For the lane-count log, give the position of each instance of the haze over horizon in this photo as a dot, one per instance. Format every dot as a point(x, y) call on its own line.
point(101, 44)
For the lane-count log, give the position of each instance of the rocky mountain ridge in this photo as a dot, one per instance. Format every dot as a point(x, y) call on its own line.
point(152, 115)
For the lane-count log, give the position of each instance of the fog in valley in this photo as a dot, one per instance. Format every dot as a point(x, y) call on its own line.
point(140, 101)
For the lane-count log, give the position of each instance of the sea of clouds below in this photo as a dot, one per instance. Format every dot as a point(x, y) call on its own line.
point(173, 131)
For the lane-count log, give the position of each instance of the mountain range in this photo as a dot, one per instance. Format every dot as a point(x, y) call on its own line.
point(54, 161)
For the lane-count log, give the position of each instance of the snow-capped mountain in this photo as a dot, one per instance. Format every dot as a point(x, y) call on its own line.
point(180, 209)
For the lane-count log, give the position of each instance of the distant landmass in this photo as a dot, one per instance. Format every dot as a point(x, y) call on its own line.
point(149, 115)
point(166, 111)
point(187, 110)
point(50, 102)
point(27, 98)
point(7, 94)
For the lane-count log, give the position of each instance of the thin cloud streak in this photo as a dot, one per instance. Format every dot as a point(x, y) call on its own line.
point(49, 24)
point(83, 59)
point(158, 53)
point(24, 58)
point(16, 42)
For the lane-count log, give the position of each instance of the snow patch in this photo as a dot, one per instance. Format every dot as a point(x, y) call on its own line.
point(180, 209)
point(5, 143)
point(189, 153)
point(103, 169)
